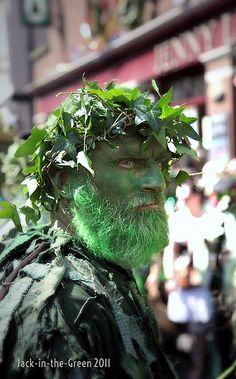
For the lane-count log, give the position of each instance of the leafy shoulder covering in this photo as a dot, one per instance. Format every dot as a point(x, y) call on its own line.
point(90, 115)
point(23, 244)
point(95, 302)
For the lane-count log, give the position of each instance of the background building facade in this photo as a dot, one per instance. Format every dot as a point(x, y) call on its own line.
point(187, 44)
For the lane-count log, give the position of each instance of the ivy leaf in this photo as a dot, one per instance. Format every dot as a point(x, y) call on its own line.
point(84, 161)
point(63, 144)
point(30, 170)
point(161, 136)
point(186, 119)
point(140, 115)
point(183, 149)
point(141, 101)
point(187, 130)
point(181, 177)
point(155, 87)
point(53, 118)
point(93, 84)
point(66, 119)
point(9, 211)
point(152, 118)
point(171, 112)
point(31, 184)
point(31, 214)
point(135, 94)
point(32, 143)
point(121, 95)
point(166, 98)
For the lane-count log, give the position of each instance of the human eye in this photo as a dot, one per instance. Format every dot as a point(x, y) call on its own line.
point(126, 163)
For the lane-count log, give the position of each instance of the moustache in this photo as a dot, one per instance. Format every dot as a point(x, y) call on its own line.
point(147, 200)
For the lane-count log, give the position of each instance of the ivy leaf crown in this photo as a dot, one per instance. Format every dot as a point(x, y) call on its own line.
point(92, 114)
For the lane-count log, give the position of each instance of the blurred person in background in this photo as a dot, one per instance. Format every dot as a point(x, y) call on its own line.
point(187, 266)
point(225, 193)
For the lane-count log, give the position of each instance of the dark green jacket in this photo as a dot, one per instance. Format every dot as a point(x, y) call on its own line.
point(70, 315)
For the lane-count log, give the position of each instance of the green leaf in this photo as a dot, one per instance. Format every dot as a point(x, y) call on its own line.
point(85, 161)
point(183, 149)
point(165, 99)
point(9, 211)
point(155, 87)
point(171, 112)
point(30, 170)
point(181, 177)
point(63, 144)
point(31, 214)
point(187, 130)
point(31, 184)
point(93, 84)
point(135, 94)
point(186, 119)
point(141, 101)
point(161, 136)
point(151, 117)
point(66, 119)
point(32, 143)
point(140, 115)
point(120, 96)
point(53, 118)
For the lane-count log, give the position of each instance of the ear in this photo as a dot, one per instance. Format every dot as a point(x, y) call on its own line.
point(58, 178)
point(66, 180)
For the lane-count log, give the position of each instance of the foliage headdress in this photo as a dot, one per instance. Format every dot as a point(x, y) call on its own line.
point(93, 114)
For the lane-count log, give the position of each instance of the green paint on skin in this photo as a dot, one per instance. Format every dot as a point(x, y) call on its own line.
point(128, 171)
point(106, 217)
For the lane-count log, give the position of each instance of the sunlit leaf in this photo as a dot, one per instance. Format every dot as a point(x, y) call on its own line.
point(9, 211)
point(31, 184)
point(155, 87)
point(84, 161)
point(182, 149)
point(166, 98)
point(31, 144)
point(31, 214)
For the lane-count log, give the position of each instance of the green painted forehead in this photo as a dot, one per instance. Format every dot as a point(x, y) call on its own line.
point(132, 145)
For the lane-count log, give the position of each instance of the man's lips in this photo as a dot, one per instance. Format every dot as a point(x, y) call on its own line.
point(148, 206)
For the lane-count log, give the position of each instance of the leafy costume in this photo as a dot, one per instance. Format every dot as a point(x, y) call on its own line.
point(68, 306)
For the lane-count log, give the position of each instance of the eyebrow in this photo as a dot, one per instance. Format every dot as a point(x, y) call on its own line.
point(128, 153)
point(136, 155)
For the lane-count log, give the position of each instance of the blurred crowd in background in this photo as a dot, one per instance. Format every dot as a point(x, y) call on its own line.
point(193, 289)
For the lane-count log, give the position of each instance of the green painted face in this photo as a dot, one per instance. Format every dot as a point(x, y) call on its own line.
point(119, 214)
point(128, 171)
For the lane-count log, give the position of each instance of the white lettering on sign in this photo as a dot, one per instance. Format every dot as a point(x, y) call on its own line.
point(185, 49)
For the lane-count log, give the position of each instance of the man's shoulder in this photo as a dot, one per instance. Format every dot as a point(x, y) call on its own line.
point(17, 243)
point(45, 266)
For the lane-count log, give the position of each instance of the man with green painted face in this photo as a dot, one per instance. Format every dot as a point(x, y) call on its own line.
point(69, 304)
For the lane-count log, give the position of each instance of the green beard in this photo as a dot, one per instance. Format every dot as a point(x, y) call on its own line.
point(116, 231)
